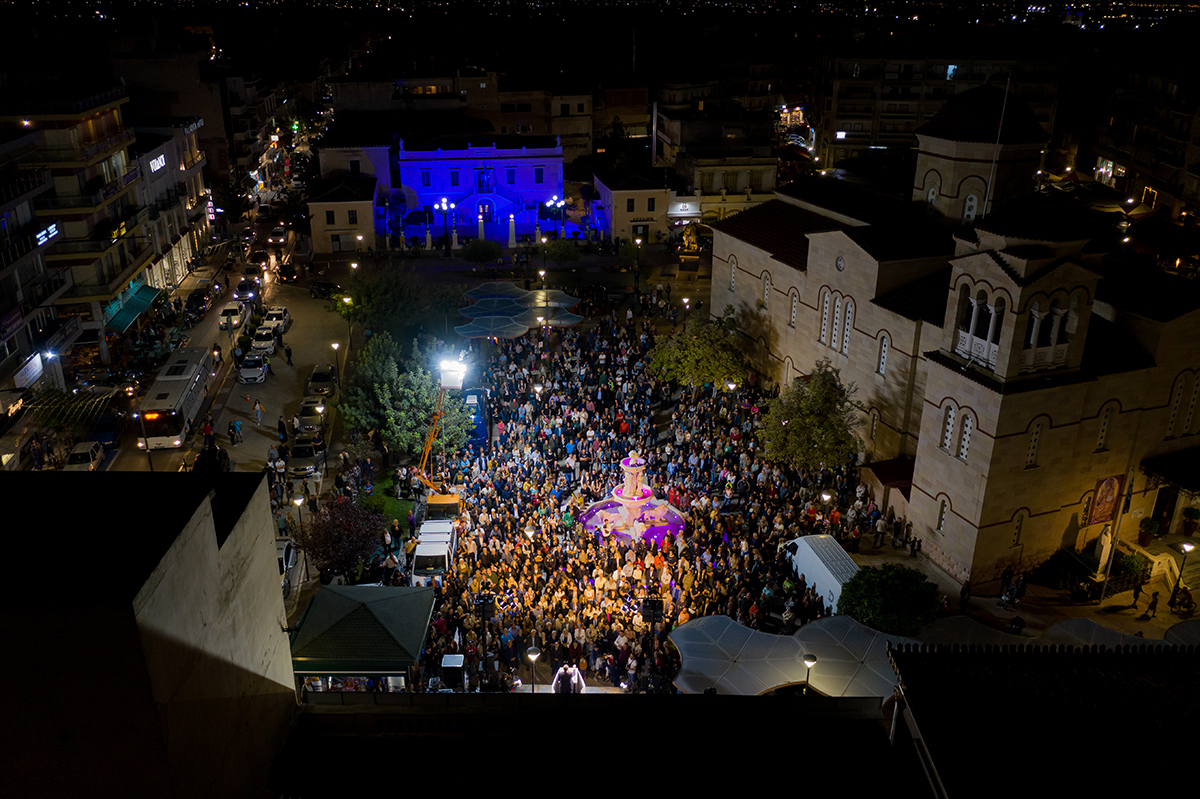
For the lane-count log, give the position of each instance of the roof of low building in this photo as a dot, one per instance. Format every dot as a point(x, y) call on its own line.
point(627, 179)
point(779, 228)
point(1145, 290)
point(975, 116)
point(1029, 694)
point(129, 521)
point(921, 300)
point(348, 626)
point(847, 199)
point(360, 129)
point(903, 241)
point(344, 188)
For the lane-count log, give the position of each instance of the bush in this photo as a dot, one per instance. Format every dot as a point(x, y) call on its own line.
point(1132, 564)
point(482, 251)
point(892, 599)
point(1148, 527)
point(255, 322)
point(1065, 569)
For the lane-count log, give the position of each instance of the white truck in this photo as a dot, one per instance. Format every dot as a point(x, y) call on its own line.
point(431, 562)
point(825, 565)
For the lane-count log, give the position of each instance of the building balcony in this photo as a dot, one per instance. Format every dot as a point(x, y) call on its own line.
point(977, 350)
point(86, 153)
point(25, 184)
point(59, 335)
point(193, 161)
point(25, 240)
point(106, 290)
point(1037, 358)
point(90, 203)
point(44, 289)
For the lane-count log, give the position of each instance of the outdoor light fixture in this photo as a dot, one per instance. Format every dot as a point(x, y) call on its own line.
point(533, 653)
point(320, 409)
point(347, 299)
point(826, 496)
point(360, 237)
point(810, 660)
point(731, 386)
point(354, 264)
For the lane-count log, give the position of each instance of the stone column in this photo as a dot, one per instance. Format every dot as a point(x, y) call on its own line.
point(481, 236)
point(428, 238)
point(1055, 323)
point(512, 231)
point(1037, 324)
point(454, 237)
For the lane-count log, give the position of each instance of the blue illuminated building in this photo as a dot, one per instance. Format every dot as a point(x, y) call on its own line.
point(494, 176)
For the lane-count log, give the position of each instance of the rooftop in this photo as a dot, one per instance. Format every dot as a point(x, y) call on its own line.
point(922, 300)
point(344, 188)
point(647, 179)
point(1145, 290)
point(1043, 217)
point(846, 199)
point(975, 116)
point(483, 138)
point(899, 241)
point(1030, 694)
point(779, 228)
point(360, 129)
point(129, 520)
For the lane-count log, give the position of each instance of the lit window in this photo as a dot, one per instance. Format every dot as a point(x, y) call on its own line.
point(941, 523)
point(964, 440)
point(883, 353)
point(732, 273)
point(766, 289)
point(795, 308)
point(874, 424)
point(948, 428)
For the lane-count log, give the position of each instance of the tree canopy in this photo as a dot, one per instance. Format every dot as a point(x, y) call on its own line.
point(893, 599)
point(342, 535)
point(561, 251)
point(813, 421)
point(706, 352)
point(398, 397)
point(482, 251)
point(377, 296)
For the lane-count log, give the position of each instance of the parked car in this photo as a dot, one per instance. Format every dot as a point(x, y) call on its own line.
point(108, 428)
point(311, 415)
point(285, 551)
point(245, 290)
point(233, 315)
point(246, 236)
point(211, 460)
point(309, 452)
point(278, 235)
point(278, 318)
point(259, 257)
point(285, 273)
point(254, 368)
point(323, 290)
point(86, 457)
point(198, 301)
point(323, 381)
point(264, 340)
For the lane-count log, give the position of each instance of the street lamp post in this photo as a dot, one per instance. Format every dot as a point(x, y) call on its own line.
point(556, 205)
point(349, 325)
point(685, 310)
point(337, 365)
point(533, 653)
point(542, 275)
point(543, 272)
point(810, 660)
point(1185, 548)
point(637, 266)
point(445, 209)
point(300, 512)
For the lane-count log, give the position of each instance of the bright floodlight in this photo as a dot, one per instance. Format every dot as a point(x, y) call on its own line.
point(810, 660)
point(452, 373)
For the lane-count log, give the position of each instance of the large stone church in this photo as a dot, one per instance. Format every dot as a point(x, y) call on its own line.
point(1010, 365)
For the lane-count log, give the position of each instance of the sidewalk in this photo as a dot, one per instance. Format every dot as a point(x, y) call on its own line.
point(1042, 607)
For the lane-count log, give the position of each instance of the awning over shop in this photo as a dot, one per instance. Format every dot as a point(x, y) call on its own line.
point(134, 307)
point(894, 473)
point(362, 629)
point(1177, 468)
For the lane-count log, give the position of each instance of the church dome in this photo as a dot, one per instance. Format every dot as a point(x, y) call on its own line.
point(974, 116)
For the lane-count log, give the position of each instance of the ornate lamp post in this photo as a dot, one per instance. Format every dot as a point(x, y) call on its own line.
point(445, 208)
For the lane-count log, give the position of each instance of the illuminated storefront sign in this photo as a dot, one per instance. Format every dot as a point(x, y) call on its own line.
point(158, 163)
point(44, 236)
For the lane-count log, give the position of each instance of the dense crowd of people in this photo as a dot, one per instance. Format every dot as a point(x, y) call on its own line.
point(567, 406)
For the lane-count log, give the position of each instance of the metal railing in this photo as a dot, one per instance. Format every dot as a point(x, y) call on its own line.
point(24, 183)
point(84, 151)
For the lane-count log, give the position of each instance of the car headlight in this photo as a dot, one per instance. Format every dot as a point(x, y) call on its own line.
point(175, 442)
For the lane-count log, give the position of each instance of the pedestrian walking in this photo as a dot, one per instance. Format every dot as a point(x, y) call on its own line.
point(210, 434)
point(217, 353)
point(1137, 595)
point(258, 411)
point(296, 424)
point(237, 430)
point(287, 350)
point(232, 434)
point(283, 431)
point(1152, 608)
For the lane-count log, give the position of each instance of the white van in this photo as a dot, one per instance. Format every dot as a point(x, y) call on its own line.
point(431, 562)
point(439, 531)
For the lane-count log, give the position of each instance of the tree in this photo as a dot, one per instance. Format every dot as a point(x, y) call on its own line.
point(707, 352)
point(58, 410)
point(377, 296)
point(813, 421)
point(341, 536)
point(561, 250)
point(482, 251)
point(892, 599)
point(446, 298)
point(398, 398)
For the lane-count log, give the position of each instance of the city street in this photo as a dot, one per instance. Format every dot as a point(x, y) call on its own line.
point(311, 336)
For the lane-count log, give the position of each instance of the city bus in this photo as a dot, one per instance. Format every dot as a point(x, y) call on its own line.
point(174, 399)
